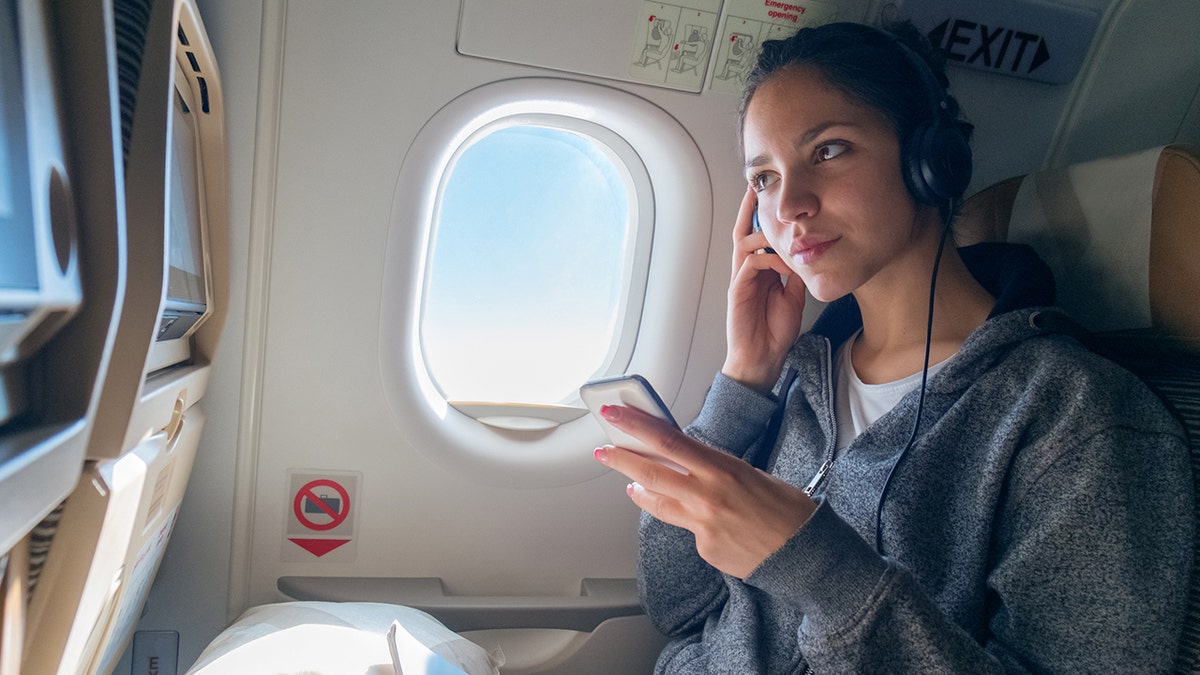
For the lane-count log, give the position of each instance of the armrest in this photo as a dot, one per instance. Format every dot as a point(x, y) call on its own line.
point(598, 601)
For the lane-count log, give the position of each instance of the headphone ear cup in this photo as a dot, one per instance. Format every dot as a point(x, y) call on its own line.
point(937, 165)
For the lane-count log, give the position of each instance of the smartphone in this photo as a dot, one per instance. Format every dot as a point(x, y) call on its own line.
point(758, 228)
point(632, 391)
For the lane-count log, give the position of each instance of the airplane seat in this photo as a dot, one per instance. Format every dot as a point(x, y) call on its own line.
point(1122, 235)
point(162, 180)
point(598, 632)
point(58, 279)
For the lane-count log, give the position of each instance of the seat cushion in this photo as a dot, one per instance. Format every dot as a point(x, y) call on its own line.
point(331, 638)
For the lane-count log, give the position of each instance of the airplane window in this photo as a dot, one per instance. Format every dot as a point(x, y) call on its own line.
point(543, 232)
point(533, 263)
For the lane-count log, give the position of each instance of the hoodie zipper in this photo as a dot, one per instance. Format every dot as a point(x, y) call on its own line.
point(818, 480)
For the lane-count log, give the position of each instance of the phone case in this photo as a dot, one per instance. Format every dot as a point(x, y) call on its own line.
point(758, 228)
point(633, 391)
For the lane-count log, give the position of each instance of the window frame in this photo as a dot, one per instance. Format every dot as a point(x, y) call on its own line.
point(681, 196)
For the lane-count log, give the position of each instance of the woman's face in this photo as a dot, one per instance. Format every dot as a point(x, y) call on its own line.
point(831, 198)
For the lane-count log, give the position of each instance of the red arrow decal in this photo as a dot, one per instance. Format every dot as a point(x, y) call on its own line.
point(318, 547)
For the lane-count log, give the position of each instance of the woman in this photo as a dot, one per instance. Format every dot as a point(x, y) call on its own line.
point(1025, 508)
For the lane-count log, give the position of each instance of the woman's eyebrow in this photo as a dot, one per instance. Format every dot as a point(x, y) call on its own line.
point(807, 137)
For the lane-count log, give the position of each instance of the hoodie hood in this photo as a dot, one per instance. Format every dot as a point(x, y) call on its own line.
point(1023, 286)
point(1011, 273)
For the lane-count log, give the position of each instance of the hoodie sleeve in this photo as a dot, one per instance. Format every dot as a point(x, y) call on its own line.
point(1090, 574)
point(679, 590)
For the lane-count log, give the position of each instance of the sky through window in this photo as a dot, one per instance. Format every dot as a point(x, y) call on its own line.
point(528, 267)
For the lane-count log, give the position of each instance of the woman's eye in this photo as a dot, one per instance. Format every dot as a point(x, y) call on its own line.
point(761, 181)
point(830, 150)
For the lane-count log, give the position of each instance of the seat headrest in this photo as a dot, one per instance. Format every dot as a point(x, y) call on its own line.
point(1122, 235)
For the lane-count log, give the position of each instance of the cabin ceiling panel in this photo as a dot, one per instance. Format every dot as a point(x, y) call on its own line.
point(679, 44)
point(1141, 84)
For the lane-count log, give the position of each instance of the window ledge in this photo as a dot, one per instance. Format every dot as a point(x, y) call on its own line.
point(519, 416)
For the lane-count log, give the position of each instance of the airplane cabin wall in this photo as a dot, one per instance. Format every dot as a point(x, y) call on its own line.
point(322, 101)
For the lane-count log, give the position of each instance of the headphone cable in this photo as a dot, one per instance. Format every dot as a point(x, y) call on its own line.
point(912, 437)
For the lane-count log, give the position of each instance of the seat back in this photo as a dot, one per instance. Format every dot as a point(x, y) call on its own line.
point(111, 535)
point(1122, 236)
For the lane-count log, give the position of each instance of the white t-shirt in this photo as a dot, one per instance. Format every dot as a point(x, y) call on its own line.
point(859, 404)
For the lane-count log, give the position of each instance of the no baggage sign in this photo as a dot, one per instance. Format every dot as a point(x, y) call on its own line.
point(321, 516)
point(316, 510)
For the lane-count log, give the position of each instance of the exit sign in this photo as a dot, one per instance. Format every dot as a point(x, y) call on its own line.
point(1031, 40)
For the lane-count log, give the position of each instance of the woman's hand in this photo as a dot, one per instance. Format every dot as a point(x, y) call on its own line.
point(739, 514)
point(764, 314)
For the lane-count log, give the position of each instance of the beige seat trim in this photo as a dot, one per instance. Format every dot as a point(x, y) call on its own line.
point(1173, 264)
point(1175, 243)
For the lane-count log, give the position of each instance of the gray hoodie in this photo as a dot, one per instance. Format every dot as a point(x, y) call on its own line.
point(1041, 522)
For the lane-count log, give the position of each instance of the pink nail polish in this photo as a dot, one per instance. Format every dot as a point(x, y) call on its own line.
point(601, 455)
point(610, 413)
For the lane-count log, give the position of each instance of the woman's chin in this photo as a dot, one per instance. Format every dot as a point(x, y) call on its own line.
point(823, 291)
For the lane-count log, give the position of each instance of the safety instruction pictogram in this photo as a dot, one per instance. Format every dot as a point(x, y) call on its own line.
point(672, 43)
point(321, 515)
point(750, 23)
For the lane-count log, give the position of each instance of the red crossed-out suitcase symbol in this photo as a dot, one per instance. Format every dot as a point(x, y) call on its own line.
point(312, 499)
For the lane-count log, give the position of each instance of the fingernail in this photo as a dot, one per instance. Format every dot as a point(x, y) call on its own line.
point(610, 413)
point(634, 488)
point(601, 455)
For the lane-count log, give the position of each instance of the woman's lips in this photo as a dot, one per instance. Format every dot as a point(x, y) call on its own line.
point(805, 251)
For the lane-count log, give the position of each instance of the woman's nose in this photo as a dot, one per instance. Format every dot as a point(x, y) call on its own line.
point(797, 201)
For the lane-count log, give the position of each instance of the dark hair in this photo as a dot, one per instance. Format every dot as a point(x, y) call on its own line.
point(861, 62)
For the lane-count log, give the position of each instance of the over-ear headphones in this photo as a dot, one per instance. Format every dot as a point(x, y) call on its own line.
point(936, 155)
